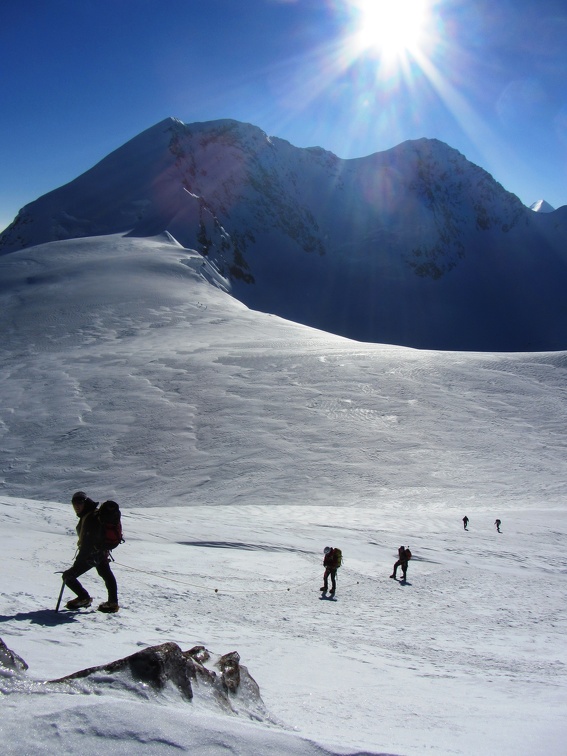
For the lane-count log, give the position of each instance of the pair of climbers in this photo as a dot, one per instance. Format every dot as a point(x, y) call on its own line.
point(99, 530)
point(497, 523)
point(333, 559)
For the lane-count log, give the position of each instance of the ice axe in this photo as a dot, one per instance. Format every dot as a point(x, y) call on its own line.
point(60, 595)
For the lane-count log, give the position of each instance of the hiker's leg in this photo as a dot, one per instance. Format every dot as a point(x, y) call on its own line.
point(103, 569)
point(333, 581)
point(396, 565)
point(70, 578)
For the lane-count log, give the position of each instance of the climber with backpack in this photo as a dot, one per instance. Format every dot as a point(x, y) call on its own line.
point(331, 562)
point(404, 555)
point(99, 530)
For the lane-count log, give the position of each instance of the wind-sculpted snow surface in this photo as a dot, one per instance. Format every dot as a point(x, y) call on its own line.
point(124, 348)
point(413, 246)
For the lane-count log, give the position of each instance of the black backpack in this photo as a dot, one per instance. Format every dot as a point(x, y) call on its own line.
point(109, 517)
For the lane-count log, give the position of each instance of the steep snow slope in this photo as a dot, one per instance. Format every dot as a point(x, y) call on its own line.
point(124, 347)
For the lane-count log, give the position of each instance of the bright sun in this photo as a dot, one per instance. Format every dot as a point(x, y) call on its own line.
point(390, 28)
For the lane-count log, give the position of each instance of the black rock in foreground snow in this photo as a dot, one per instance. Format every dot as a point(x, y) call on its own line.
point(11, 661)
point(229, 685)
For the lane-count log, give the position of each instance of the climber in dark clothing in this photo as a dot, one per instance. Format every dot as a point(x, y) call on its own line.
point(404, 555)
point(90, 554)
point(331, 563)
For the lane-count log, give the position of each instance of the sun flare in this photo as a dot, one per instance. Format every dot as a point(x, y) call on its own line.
point(390, 28)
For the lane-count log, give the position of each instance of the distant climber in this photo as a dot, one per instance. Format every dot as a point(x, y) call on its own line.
point(331, 562)
point(404, 555)
point(466, 522)
point(498, 523)
point(91, 553)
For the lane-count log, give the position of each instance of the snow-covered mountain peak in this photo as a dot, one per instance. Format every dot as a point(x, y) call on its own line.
point(414, 245)
point(541, 206)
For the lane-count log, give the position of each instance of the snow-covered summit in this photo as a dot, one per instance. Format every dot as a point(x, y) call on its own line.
point(541, 206)
point(414, 245)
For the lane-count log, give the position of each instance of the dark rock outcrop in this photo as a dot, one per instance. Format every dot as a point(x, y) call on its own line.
point(10, 660)
point(232, 688)
point(155, 666)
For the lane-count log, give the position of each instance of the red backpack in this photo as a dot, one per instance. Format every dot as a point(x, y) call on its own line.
point(110, 519)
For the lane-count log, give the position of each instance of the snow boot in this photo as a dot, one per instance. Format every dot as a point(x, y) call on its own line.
point(79, 603)
point(109, 607)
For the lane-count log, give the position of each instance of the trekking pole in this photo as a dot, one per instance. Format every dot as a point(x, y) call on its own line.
point(60, 595)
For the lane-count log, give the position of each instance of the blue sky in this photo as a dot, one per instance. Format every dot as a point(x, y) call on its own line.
point(78, 78)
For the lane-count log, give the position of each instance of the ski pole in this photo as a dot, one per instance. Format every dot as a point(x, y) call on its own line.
point(60, 595)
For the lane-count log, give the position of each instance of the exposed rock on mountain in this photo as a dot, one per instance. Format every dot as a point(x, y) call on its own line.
point(414, 246)
point(11, 661)
point(219, 680)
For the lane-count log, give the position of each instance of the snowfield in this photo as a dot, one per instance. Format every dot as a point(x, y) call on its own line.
point(239, 445)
